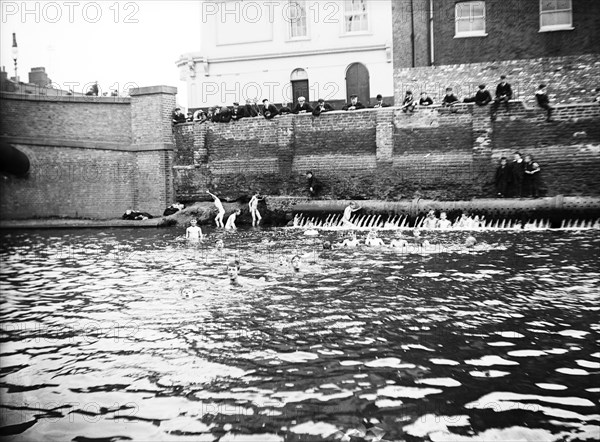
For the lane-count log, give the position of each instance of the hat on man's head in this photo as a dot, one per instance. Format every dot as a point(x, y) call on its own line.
point(235, 103)
point(542, 86)
point(502, 77)
point(353, 96)
point(320, 100)
point(177, 108)
point(266, 99)
point(301, 99)
point(482, 86)
point(379, 96)
point(408, 92)
point(448, 89)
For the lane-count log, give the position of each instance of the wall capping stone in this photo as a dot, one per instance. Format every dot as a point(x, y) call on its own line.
point(150, 90)
point(65, 98)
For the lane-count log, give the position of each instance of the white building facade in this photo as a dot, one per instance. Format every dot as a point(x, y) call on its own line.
point(282, 49)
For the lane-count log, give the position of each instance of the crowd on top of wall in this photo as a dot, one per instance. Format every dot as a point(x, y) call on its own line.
point(503, 94)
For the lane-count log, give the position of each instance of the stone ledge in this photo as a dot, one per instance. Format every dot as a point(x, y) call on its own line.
point(65, 98)
point(88, 144)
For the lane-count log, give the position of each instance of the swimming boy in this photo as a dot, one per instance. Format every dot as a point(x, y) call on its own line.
point(373, 240)
point(399, 242)
point(219, 206)
point(444, 222)
point(233, 271)
point(351, 241)
point(194, 233)
point(253, 206)
point(230, 225)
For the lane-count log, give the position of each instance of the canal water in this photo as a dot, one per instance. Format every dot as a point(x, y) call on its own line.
point(131, 334)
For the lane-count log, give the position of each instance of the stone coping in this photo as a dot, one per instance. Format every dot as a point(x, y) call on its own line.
point(65, 98)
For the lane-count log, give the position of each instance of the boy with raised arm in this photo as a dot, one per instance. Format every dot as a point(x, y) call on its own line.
point(219, 206)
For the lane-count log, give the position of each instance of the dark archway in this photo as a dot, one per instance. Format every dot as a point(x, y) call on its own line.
point(357, 82)
point(299, 79)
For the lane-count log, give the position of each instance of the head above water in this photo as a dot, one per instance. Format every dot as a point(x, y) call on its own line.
point(233, 269)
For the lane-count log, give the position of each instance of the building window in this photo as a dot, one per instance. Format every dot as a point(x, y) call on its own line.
point(355, 16)
point(556, 15)
point(297, 18)
point(470, 19)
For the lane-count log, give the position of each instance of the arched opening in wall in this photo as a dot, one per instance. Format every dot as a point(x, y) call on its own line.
point(357, 82)
point(299, 80)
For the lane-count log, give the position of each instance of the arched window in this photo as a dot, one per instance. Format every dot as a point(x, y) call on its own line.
point(357, 82)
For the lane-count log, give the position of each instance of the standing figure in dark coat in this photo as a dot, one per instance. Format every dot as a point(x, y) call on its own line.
point(302, 106)
point(269, 110)
point(322, 107)
point(503, 95)
point(481, 98)
point(312, 185)
point(502, 178)
point(516, 176)
point(542, 100)
point(531, 179)
point(354, 104)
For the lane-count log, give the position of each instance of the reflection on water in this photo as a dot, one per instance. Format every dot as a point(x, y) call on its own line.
point(130, 334)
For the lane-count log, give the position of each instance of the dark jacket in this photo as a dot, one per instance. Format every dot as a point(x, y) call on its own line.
point(425, 101)
point(542, 100)
point(237, 114)
point(248, 111)
point(503, 90)
point(318, 110)
point(449, 99)
point(357, 106)
point(270, 111)
point(305, 107)
point(483, 97)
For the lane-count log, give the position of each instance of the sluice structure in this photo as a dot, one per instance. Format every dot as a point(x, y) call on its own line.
point(567, 213)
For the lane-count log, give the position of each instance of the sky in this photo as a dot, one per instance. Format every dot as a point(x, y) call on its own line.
point(120, 44)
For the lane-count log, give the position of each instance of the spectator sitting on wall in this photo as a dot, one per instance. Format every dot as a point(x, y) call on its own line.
point(502, 178)
point(425, 99)
point(189, 118)
point(114, 93)
point(302, 106)
point(503, 95)
point(224, 114)
point(177, 116)
point(354, 104)
point(312, 185)
point(449, 99)
point(380, 102)
point(322, 107)
point(237, 112)
point(249, 109)
point(517, 173)
point(408, 105)
point(481, 98)
point(200, 116)
point(531, 177)
point(216, 110)
point(286, 109)
point(269, 110)
point(542, 100)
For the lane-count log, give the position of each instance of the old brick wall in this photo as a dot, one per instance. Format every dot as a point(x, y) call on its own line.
point(387, 154)
point(569, 79)
point(512, 28)
point(91, 157)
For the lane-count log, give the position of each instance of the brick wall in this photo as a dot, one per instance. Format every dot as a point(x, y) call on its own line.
point(512, 28)
point(569, 79)
point(387, 154)
point(90, 157)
